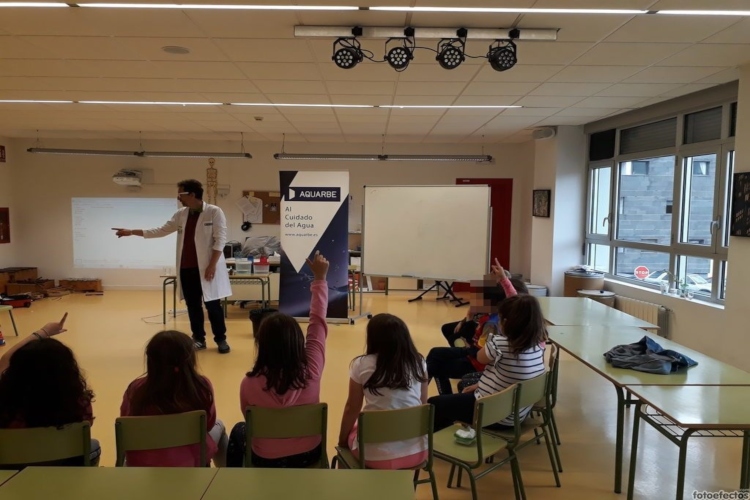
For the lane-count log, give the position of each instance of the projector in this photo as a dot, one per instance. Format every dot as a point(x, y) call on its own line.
point(127, 178)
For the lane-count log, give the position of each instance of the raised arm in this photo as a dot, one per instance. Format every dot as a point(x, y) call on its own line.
point(168, 228)
point(502, 279)
point(46, 331)
point(317, 329)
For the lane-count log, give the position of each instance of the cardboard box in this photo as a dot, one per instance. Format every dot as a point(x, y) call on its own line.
point(20, 273)
point(56, 292)
point(29, 286)
point(82, 285)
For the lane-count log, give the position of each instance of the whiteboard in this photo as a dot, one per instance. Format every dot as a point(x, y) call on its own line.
point(434, 232)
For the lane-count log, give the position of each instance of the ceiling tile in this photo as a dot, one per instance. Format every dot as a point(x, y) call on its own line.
point(687, 89)
point(362, 73)
point(434, 88)
point(38, 67)
point(531, 111)
point(710, 55)
point(594, 74)
point(291, 87)
point(201, 49)
point(728, 75)
point(568, 89)
point(672, 75)
point(548, 101)
point(372, 100)
point(588, 112)
point(280, 71)
point(666, 29)
point(349, 88)
point(16, 47)
point(498, 88)
point(637, 89)
point(432, 72)
point(519, 73)
point(564, 120)
point(629, 54)
point(737, 33)
point(609, 102)
point(553, 53)
point(253, 50)
point(239, 24)
point(233, 97)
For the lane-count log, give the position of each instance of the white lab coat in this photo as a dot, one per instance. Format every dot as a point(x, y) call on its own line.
point(210, 235)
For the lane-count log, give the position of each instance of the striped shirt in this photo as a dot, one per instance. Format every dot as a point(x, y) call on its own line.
point(507, 369)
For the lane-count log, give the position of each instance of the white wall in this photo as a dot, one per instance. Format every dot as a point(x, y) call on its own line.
point(44, 184)
point(8, 251)
point(559, 165)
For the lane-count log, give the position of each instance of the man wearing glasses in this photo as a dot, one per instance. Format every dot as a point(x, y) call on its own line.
point(203, 277)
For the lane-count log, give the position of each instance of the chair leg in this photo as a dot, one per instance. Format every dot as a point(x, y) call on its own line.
point(634, 451)
point(551, 454)
point(12, 320)
point(472, 482)
point(553, 438)
point(460, 474)
point(536, 434)
point(450, 476)
point(416, 478)
point(554, 427)
point(521, 494)
point(334, 462)
point(433, 483)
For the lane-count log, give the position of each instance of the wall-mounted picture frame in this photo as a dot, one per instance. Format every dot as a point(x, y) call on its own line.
point(740, 213)
point(4, 225)
point(541, 206)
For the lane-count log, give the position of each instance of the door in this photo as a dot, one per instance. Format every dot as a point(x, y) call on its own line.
point(501, 201)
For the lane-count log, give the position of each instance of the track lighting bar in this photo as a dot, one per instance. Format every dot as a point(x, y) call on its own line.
point(345, 157)
point(422, 33)
point(139, 154)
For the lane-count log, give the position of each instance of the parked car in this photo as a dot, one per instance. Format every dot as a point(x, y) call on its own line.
point(695, 282)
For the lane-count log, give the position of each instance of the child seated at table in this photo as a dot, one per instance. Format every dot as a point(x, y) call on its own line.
point(173, 385)
point(287, 372)
point(41, 385)
point(391, 375)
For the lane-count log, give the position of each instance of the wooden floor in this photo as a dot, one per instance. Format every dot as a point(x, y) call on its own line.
point(108, 334)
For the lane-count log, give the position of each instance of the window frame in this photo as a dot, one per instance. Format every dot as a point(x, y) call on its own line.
point(717, 251)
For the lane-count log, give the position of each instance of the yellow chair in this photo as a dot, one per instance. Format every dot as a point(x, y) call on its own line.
point(388, 426)
point(159, 432)
point(487, 411)
point(40, 445)
point(548, 403)
point(283, 423)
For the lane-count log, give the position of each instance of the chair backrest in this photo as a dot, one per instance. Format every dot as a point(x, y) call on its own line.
point(492, 409)
point(38, 445)
point(159, 432)
point(532, 390)
point(384, 426)
point(282, 423)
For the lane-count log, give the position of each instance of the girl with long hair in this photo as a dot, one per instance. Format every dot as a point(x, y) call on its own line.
point(513, 355)
point(173, 385)
point(287, 372)
point(391, 375)
point(41, 385)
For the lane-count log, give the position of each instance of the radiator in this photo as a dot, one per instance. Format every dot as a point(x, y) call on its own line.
point(647, 311)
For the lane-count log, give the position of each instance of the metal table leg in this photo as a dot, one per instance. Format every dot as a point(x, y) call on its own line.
point(745, 464)
point(634, 449)
point(620, 438)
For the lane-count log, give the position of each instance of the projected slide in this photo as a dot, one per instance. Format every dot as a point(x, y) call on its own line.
point(96, 246)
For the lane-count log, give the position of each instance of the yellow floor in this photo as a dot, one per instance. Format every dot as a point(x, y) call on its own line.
point(108, 334)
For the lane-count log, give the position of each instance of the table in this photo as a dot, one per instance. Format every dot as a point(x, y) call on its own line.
point(238, 279)
point(700, 411)
point(248, 279)
point(112, 483)
point(589, 343)
point(10, 313)
point(583, 311)
point(275, 484)
point(6, 474)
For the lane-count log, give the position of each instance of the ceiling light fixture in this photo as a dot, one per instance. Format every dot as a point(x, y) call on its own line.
point(152, 103)
point(265, 104)
point(447, 106)
point(32, 101)
point(81, 152)
point(451, 51)
point(192, 154)
point(348, 54)
point(33, 4)
point(345, 157)
point(180, 6)
point(385, 32)
point(399, 56)
point(176, 50)
point(506, 10)
point(502, 55)
point(741, 13)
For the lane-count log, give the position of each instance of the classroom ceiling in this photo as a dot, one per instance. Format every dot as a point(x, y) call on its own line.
point(600, 65)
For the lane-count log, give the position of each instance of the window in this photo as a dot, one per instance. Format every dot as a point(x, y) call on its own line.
point(662, 202)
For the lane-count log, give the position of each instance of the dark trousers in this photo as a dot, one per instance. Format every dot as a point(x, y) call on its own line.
point(445, 363)
point(466, 332)
point(450, 408)
point(236, 454)
point(193, 294)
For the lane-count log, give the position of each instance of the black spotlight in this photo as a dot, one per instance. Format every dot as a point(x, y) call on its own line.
point(347, 52)
point(400, 56)
point(502, 55)
point(451, 53)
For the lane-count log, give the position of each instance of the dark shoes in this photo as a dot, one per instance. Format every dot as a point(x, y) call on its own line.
point(223, 347)
point(199, 345)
